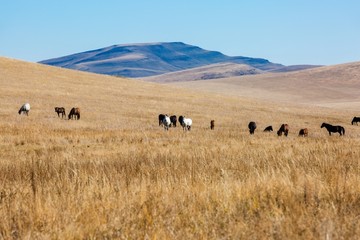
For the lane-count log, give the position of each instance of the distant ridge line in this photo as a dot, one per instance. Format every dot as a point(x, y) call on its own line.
point(148, 59)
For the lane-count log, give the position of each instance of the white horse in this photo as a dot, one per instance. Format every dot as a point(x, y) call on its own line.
point(25, 108)
point(166, 122)
point(185, 122)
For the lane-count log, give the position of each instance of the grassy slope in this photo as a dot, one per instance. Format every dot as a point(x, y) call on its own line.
point(331, 86)
point(213, 71)
point(116, 174)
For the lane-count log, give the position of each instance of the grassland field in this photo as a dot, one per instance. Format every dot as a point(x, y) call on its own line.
point(115, 174)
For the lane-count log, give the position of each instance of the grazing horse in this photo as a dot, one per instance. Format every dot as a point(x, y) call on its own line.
point(283, 129)
point(161, 119)
point(212, 124)
point(252, 127)
point(173, 120)
point(268, 129)
point(355, 120)
point(185, 123)
point(335, 129)
point(60, 110)
point(303, 132)
point(166, 122)
point(74, 113)
point(25, 109)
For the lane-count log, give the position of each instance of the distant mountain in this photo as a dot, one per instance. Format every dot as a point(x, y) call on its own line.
point(149, 59)
point(212, 71)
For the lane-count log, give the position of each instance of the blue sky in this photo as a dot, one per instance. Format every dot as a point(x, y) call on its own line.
point(288, 32)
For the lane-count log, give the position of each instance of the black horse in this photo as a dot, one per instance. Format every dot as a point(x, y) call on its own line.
point(268, 129)
point(252, 127)
point(334, 129)
point(355, 120)
point(161, 119)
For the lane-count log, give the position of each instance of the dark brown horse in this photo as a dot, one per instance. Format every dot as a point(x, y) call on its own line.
point(60, 110)
point(334, 129)
point(173, 120)
point(212, 124)
point(74, 113)
point(304, 132)
point(283, 129)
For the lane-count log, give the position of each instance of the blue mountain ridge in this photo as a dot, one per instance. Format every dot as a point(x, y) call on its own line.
point(149, 59)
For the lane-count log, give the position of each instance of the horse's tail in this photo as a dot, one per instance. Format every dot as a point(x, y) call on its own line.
point(343, 130)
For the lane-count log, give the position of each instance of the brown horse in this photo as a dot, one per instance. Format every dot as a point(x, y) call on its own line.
point(303, 132)
point(212, 124)
point(283, 129)
point(74, 113)
point(173, 120)
point(60, 110)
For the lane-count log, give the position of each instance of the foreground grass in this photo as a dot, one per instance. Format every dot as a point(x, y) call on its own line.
point(148, 183)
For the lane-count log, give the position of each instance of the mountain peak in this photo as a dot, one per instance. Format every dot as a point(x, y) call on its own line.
point(149, 59)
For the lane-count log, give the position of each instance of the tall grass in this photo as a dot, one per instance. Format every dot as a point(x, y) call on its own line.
point(155, 184)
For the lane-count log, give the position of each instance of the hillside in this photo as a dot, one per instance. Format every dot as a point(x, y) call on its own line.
point(335, 86)
point(148, 59)
point(213, 71)
point(115, 174)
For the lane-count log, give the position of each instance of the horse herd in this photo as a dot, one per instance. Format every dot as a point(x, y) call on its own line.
point(73, 114)
point(166, 121)
point(171, 121)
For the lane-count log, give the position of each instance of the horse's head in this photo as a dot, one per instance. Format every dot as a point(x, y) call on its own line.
point(323, 125)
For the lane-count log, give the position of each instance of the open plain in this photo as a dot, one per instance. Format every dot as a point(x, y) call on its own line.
point(115, 174)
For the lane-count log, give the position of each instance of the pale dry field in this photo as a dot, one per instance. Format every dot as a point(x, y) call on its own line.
point(115, 174)
point(334, 86)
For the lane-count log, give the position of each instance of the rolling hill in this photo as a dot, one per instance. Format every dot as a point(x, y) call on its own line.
point(335, 86)
point(148, 59)
point(212, 71)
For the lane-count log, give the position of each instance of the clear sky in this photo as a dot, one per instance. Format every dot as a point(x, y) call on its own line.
point(290, 32)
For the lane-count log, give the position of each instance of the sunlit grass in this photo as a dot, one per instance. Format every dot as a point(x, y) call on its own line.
point(116, 174)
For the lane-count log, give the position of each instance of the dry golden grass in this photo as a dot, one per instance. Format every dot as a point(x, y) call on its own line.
point(116, 174)
point(334, 86)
